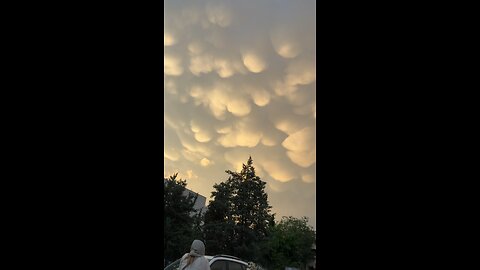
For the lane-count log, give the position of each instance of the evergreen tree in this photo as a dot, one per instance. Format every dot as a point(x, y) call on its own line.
point(198, 225)
point(238, 218)
point(179, 219)
point(219, 222)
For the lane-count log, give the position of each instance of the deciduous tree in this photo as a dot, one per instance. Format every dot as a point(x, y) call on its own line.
point(289, 244)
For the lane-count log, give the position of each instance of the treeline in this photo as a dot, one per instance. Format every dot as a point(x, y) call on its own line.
point(238, 222)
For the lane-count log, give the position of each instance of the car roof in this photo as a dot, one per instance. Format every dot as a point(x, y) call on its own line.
point(225, 257)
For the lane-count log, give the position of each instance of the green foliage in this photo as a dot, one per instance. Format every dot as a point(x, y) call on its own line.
point(238, 222)
point(238, 218)
point(219, 224)
point(289, 244)
point(198, 225)
point(179, 224)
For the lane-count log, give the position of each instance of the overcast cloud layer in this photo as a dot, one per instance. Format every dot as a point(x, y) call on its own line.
point(239, 81)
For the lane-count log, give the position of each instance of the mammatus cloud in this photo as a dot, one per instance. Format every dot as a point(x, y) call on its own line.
point(201, 133)
point(239, 86)
point(308, 178)
point(171, 154)
point(168, 39)
point(205, 162)
point(219, 14)
point(289, 124)
point(301, 146)
point(172, 65)
point(277, 171)
point(221, 98)
point(284, 42)
point(254, 62)
point(300, 72)
point(201, 64)
point(260, 96)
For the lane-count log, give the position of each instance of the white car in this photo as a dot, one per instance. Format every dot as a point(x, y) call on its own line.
point(217, 262)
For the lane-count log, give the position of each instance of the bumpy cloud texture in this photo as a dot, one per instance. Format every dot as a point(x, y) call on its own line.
point(240, 81)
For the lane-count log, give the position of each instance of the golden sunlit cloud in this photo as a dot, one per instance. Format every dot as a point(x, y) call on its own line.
point(284, 44)
point(224, 68)
point(172, 65)
point(308, 178)
point(191, 175)
point(234, 159)
point(191, 156)
point(302, 140)
point(289, 125)
point(240, 138)
point(239, 107)
point(205, 162)
point(194, 126)
point(254, 63)
point(260, 97)
point(244, 134)
point(301, 146)
point(201, 64)
point(170, 122)
point(240, 81)
point(224, 129)
point(203, 136)
point(287, 50)
point(271, 137)
point(171, 154)
point(196, 47)
point(192, 145)
point(170, 86)
point(303, 159)
point(168, 39)
point(206, 63)
point(308, 109)
point(281, 88)
point(219, 14)
point(277, 171)
point(301, 72)
point(267, 141)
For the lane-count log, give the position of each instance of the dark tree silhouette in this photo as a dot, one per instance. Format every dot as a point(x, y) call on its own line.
point(238, 218)
point(179, 218)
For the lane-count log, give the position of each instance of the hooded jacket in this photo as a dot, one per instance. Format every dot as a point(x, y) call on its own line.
point(197, 250)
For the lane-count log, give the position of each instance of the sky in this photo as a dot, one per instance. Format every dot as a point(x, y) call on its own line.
point(240, 81)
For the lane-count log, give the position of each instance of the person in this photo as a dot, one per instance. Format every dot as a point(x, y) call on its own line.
point(195, 259)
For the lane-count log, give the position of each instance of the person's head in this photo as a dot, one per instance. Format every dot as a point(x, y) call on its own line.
point(197, 249)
